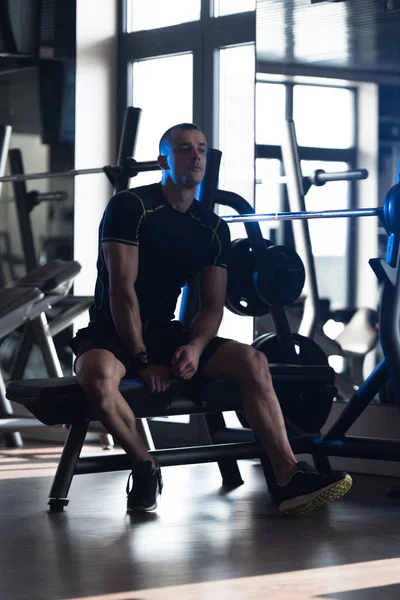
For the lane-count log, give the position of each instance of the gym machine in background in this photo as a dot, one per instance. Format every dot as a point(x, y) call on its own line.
point(60, 309)
point(307, 317)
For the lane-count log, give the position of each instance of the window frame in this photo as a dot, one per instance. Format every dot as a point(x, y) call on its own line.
point(203, 38)
point(347, 155)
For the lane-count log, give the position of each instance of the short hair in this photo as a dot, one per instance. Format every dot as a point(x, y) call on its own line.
point(166, 137)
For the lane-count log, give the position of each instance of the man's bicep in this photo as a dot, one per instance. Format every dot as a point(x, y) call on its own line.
point(122, 219)
point(222, 244)
point(122, 264)
point(213, 287)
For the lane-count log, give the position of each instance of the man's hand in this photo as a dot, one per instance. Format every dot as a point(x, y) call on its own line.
point(185, 361)
point(157, 377)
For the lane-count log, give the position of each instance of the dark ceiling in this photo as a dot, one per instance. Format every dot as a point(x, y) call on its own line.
point(361, 35)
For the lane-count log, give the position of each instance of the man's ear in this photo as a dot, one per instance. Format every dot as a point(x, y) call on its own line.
point(163, 162)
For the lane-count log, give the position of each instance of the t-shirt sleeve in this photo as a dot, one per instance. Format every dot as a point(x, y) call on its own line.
point(222, 245)
point(123, 218)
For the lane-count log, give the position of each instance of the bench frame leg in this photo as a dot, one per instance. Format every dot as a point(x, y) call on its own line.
point(13, 439)
point(229, 469)
point(269, 475)
point(66, 466)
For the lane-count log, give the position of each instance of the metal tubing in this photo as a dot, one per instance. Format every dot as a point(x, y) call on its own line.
point(295, 190)
point(13, 438)
point(24, 219)
point(170, 457)
point(317, 214)
point(40, 330)
point(51, 196)
point(5, 136)
point(130, 128)
point(358, 402)
point(69, 457)
point(150, 165)
point(241, 205)
point(65, 319)
point(359, 447)
point(320, 177)
point(389, 330)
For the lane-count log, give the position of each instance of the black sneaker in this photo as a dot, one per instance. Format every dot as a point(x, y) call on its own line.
point(308, 489)
point(147, 486)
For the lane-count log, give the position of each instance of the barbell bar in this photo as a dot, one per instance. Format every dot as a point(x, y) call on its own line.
point(290, 216)
point(38, 197)
point(321, 177)
point(131, 168)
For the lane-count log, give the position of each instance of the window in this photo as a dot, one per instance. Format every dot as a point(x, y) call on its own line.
point(270, 112)
point(152, 14)
point(163, 87)
point(230, 7)
point(236, 141)
point(268, 192)
point(329, 237)
point(236, 125)
point(324, 116)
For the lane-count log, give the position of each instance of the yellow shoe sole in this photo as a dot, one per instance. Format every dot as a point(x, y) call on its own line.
point(337, 490)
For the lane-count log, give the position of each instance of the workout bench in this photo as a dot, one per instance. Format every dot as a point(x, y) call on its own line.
point(61, 401)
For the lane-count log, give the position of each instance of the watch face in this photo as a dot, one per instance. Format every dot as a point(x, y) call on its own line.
point(143, 359)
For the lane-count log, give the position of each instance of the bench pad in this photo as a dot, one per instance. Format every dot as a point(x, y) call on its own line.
point(58, 401)
point(50, 276)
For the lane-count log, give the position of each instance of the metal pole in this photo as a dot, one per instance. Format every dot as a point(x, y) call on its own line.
point(320, 177)
point(150, 165)
point(40, 329)
point(47, 175)
point(293, 216)
point(5, 136)
point(23, 214)
point(13, 438)
point(128, 140)
point(292, 167)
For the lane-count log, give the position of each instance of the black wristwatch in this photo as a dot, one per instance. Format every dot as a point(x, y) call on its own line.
point(142, 360)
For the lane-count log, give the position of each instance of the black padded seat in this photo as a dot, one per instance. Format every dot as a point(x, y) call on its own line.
point(58, 401)
point(15, 307)
point(56, 276)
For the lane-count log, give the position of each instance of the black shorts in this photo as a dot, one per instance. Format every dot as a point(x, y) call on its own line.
point(161, 341)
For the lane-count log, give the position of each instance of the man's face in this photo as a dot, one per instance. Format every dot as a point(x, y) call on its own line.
point(186, 157)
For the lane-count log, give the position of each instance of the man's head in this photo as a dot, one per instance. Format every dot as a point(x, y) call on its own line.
point(182, 157)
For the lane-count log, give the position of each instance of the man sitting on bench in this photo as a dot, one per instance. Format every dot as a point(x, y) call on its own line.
point(152, 239)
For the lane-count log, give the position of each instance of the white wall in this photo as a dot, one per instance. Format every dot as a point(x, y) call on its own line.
point(94, 126)
point(367, 284)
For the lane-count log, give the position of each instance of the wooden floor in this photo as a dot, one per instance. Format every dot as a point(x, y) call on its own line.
point(202, 543)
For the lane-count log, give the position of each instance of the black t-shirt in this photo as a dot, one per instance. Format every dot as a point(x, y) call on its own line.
point(173, 247)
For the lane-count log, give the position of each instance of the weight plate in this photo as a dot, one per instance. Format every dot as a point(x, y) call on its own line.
point(307, 408)
point(280, 276)
point(241, 296)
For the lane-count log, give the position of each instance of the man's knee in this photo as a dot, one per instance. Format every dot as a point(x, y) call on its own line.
point(254, 365)
point(99, 379)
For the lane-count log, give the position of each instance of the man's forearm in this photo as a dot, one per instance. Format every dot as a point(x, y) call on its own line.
point(205, 327)
point(126, 316)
